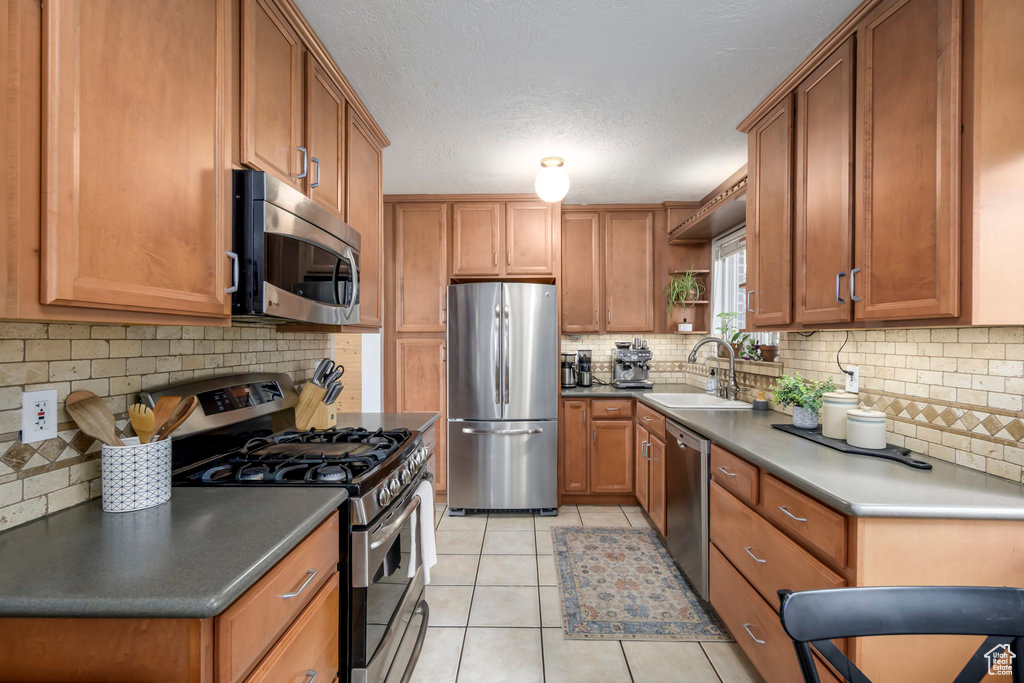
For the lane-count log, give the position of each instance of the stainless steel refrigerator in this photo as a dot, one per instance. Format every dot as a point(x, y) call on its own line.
point(502, 397)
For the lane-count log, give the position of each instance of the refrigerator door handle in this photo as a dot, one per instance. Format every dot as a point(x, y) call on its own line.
point(497, 354)
point(508, 327)
point(503, 432)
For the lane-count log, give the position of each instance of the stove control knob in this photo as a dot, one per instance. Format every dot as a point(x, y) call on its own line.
point(405, 476)
point(384, 497)
point(394, 486)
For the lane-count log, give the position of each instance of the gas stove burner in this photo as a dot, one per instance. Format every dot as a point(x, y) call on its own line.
point(216, 474)
point(328, 472)
point(280, 474)
point(253, 473)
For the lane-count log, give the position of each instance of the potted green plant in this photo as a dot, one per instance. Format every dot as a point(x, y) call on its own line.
point(769, 352)
point(726, 321)
point(804, 395)
point(680, 290)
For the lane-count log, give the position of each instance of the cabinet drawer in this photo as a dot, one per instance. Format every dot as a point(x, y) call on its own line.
point(611, 408)
point(821, 527)
point(766, 557)
point(253, 623)
point(310, 645)
point(650, 420)
point(735, 474)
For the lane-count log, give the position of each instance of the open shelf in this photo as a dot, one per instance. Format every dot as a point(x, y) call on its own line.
point(696, 302)
point(691, 332)
point(692, 270)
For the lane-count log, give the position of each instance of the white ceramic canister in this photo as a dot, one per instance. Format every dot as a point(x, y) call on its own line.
point(135, 476)
point(834, 406)
point(865, 428)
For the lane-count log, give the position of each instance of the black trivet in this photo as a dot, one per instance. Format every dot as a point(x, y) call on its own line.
point(890, 452)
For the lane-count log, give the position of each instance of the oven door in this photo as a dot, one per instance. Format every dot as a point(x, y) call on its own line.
point(308, 273)
point(388, 614)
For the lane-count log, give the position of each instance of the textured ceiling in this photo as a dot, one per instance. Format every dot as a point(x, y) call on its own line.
point(641, 98)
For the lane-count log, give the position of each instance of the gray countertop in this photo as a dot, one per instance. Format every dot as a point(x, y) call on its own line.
point(857, 485)
point(188, 558)
point(414, 421)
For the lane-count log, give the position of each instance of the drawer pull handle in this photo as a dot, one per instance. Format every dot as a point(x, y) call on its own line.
point(726, 472)
point(611, 408)
point(746, 627)
point(311, 574)
point(646, 419)
point(785, 508)
point(756, 558)
point(311, 675)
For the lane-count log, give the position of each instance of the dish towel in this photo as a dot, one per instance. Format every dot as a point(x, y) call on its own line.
point(423, 534)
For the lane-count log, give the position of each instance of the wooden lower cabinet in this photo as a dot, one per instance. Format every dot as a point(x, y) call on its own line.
point(642, 475)
point(611, 456)
point(574, 430)
point(657, 492)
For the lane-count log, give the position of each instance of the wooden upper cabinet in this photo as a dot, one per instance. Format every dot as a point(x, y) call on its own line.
point(908, 160)
point(629, 271)
point(272, 93)
point(477, 243)
point(420, 272)
point(364, 204)
point(529, 239)
point(325, 139)
point(770, 218)
point(136, 178)
point(575, 431)
point(611, 456)
point(581, 272)
point(824, 191)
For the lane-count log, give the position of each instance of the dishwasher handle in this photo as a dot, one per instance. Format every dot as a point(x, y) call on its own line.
point(687, 439)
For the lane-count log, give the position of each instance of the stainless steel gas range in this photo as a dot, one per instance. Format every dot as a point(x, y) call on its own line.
point(243, 434)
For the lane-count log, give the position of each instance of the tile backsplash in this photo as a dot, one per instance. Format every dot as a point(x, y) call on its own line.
point(114, 362)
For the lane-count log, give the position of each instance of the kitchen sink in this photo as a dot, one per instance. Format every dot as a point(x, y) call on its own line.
point(696, 401)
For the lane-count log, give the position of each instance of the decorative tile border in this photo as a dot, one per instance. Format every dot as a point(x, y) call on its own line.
point(977, 422)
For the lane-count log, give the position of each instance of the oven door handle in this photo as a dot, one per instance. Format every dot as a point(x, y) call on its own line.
point(502, 432)
point(394, 527)
point(424, 609)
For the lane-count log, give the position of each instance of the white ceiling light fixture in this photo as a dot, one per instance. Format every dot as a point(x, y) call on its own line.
point(552, 182)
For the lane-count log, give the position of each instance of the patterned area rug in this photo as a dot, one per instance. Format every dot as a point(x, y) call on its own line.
point(621, 584)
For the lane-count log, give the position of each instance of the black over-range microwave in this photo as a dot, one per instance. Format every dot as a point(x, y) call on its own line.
point(294, 259)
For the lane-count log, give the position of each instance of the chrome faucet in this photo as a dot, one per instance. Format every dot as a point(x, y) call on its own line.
point(732, 388)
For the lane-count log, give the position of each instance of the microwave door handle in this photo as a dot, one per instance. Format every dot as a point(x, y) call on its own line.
point(351, 258)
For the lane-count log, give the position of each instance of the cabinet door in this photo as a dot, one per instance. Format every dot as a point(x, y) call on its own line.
point(325, 139)
point(824, 197)
point(272, 102)
point(420, 377)
point(611, 456)
point(908, 132)
point(629, 271)
point(657, 509)
point(476, 239)
point(581, 272)
point(529, 239)
point(420, 256)
point(770, 218)
point(136, 186)
point(575, 446)
point(364, 204)
point(643, 469)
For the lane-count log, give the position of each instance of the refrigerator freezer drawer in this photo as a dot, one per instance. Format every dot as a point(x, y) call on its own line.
point(503, 465)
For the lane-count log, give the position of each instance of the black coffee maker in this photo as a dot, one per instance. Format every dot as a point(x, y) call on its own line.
point(583, 375)
point(568, 371)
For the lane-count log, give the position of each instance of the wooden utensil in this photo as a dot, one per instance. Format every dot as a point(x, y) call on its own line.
point(143, 421)
point(305, 412)
point(178, 417)
point(93, 417)
point(165, 406)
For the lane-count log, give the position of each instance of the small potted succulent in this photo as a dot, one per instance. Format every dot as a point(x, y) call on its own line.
point(680, 290)
point(805, 395)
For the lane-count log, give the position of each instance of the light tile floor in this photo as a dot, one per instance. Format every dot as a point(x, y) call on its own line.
point(495, 613)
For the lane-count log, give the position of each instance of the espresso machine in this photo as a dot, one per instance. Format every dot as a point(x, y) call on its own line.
point(568, 370)
point(632, 364)
point(583, 372)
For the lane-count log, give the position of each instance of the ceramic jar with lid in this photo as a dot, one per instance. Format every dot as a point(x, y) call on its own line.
point(834, 406)
point(865, 428)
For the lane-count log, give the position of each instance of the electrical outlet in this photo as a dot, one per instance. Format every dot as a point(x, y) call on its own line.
point(853, 379)
point(38, 415)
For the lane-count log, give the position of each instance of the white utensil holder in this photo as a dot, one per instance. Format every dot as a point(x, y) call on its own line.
point(135, 476)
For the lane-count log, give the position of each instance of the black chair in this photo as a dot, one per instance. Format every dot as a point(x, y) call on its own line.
point(816, 617)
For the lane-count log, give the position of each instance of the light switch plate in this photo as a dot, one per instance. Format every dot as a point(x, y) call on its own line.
point(38, 415)
point(853, 379)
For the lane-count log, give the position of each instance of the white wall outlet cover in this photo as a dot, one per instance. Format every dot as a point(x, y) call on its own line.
point(853, 379)
point(38, 415)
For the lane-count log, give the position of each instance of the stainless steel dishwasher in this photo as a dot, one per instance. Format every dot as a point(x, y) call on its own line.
point(686, 475)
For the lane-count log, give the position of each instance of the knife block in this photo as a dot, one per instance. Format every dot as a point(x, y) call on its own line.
point(310, 410)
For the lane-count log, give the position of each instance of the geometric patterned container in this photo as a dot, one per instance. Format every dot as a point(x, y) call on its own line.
point(135, 477)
